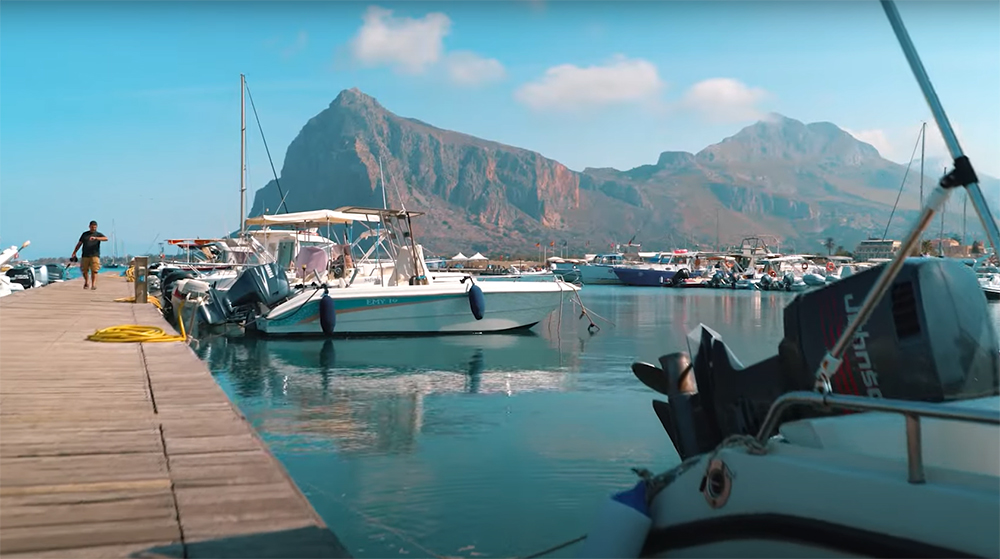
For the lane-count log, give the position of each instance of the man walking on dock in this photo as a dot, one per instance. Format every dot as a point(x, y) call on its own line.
point(90, 240)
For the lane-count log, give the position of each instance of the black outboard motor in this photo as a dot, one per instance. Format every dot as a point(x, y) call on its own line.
point(679, 276)
point(23, 275)
point(266, 284)
point(929, 339)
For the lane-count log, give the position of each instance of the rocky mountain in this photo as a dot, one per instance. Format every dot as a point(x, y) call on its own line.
point(799, 182)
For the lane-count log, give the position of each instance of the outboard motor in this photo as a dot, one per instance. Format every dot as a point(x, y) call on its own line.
point(23, 276)
point(788, 279)
point(167, 288)
point(930, 339)
point(41, 275)
point(266, 284)
point(679, 276)
point(57, 272)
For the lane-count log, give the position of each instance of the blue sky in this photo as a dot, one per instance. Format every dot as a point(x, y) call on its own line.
point(129, 111)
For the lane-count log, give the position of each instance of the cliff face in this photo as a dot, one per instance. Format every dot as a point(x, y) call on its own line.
point(780, 177)
point(460, 180)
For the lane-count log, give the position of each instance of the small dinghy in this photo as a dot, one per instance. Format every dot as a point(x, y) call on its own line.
point(887, 444)
point(915, 477)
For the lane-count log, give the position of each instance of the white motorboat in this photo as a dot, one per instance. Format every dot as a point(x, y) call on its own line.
point(409, 301)
point(7, 256)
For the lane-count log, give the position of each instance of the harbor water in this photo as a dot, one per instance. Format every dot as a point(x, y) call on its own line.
point(480, 446)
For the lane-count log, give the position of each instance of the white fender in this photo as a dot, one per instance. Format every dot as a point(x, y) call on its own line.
point(621, 526)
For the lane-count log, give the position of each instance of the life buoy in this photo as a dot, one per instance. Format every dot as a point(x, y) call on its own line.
point(830, 267)
point(805, 266)
point(772, 273)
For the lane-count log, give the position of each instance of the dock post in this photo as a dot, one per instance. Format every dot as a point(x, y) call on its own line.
point(141, 284)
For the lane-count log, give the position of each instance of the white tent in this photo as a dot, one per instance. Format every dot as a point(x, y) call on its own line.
point(478, 256)
point(460, 256)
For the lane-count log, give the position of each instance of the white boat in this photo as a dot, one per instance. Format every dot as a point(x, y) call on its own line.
point(600, 269)
point(410, 300)
point(769, 468)
point(770, 464)
point(7, 256)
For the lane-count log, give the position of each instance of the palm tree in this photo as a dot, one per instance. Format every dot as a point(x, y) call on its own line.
point(830, 245)
point(927, 247)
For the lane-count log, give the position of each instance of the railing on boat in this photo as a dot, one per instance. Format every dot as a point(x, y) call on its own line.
point(912, 411)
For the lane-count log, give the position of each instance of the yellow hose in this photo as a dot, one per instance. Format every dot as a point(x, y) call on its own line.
point(135, 333)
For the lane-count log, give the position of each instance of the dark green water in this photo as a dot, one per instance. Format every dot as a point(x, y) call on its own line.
point(480, 446)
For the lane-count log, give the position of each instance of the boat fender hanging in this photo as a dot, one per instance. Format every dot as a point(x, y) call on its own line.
point(621, 526)
point(327, 313)
point(477, 301)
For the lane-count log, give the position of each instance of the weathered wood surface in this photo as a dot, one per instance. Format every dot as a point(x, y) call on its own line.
point(130, 450)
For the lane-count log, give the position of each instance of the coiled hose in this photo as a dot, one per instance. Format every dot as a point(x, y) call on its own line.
point(136, 333)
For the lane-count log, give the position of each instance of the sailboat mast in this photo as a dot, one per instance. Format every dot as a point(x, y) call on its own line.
point(243, 155)
point(923, 153)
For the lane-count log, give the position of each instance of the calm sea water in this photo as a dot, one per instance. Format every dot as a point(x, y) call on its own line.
point(480, 446)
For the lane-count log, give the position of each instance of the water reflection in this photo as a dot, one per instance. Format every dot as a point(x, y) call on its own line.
point(368, 394)
point(506, 443)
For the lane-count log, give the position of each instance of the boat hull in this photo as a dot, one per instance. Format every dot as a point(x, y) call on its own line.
point(644, 277)
point(598, 274)
point(414, 310)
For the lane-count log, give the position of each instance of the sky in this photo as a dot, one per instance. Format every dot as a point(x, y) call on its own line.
point(128, 112)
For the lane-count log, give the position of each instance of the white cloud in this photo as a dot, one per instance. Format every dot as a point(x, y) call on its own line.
point(876, 137)
point(899, 144)
point(409, 45)
point(567, 86)
point(468, 69)
point(725, 100)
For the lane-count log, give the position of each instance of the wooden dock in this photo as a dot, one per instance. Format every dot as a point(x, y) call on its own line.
point(130, 450)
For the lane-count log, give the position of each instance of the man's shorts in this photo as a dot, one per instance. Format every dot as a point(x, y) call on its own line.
point(90, 263)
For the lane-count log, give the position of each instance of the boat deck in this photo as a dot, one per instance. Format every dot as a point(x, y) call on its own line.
point(130, 450)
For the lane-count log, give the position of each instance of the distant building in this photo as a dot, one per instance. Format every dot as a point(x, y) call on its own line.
point(950, 248)
point(876, 248)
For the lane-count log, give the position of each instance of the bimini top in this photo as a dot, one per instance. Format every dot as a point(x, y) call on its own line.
point(313, 218)
point(376, 212)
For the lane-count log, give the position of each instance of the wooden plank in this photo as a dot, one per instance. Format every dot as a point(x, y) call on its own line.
point(90, 467)
point(88, 534)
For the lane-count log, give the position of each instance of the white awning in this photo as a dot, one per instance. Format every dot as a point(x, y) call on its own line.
point(478, 256)
point(460, 256)
point(312, 218)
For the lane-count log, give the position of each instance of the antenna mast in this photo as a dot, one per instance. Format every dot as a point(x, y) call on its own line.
point(243, 156)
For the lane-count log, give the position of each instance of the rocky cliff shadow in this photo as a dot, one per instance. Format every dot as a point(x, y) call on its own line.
point(298, 543)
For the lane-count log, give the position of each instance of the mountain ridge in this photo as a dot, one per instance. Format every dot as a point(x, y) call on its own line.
point(778, 176)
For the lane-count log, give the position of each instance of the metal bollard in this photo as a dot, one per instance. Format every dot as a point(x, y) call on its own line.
point(141, 284)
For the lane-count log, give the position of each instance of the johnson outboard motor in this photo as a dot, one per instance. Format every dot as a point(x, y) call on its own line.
point(266, 284)
point(22, 275)
point(929, 339)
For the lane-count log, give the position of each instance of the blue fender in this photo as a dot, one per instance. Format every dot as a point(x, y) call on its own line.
point(327, 314)
point(477, 302)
